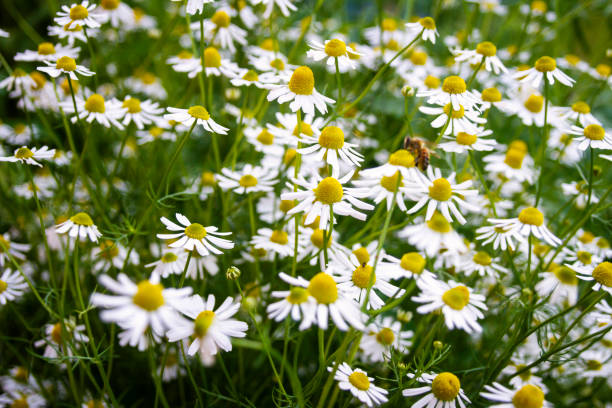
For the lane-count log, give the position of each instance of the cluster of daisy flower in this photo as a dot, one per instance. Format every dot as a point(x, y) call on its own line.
point(400, 205)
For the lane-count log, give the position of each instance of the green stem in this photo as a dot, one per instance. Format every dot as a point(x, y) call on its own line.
point(544, 144)
point(175, 156)
point(475, 72)
point(190, 375)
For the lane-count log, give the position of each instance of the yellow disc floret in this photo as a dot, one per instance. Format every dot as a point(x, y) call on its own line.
point(581, 107)
point(24, 153)
point(195, 231)
point(454, 85)
point(265, 137)
point(362, 275)
point(132, 105)
point(413, 262)
point(221, 19)
point(247, 181)
point(466, 139)
point(441, 190)
point(457, 298)
point(566, 275)
point(95, 103)
point(109, 4)
point(531, 216)
point(402, 158)
point(385, 336)
point(432, 82)
point(198, 112)
point(392, 183)
point(438, 223)
point(335, 48)
point(279, 237)
point(594, 132)
point(323, 288)
point(534, 103)
point(302, 81)
point(203, 322)
point(529, 396)
point(545, 64)
point(359, 380)
point(82, 219)
point(212, 58)
point(332, 137)
point(329, 191)
point(46, 48)
point(455, 114)
point(149, 296)
point(362, 255)
point(482, 258)
point(445, 386)
point(491, 95)
point(78, 12)
point(428, 23)
point(3, 285)
point(65, 63)
point(603, 274)
point(486, 48)
point(297, 295)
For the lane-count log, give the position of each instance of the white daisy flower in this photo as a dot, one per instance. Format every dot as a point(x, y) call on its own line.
point(287, 128)
point(18, 81)
point(516, 164)
point(78, 15)
point(141, 112)
point(215, 64)
point(560, 283)
point(139, 307)
point(401, 160)
point(544, 66)
point(277, 241)
point(204, 239)
point(155, 133)
point(220, 28)
point(389, 31)
point(454, 91)
point(116, 12)
point(320, 196)
point(211, 329)
point(285, 6)
point(12, 286)
point(312, 242)
point(433, 235)
point(410, 265)
point(170, 263)
point(195, 115)
point(502, 237)
point(382, 335)
point(461, 120)
point(173, 366)
point(333, 50)
point(301, 91)
point(195, 6)
point(486, 51)
point(359, 384)
point(381, 187)
point(482, 263)
point(14, 249)
point(440, 194)
point(65, 65)
point(601, 274)
point(330, 146)
point(330, 301)
point(579, 112)
point(58, 334)
point(427, 25)
point(264, 141)
point(464, 142)
point(22, 398)
point(593, 136)
point(529, 221)
point(248, 77)
point(95, 108)
point(249, 179)
point(110, 253)
point(441, 390)
point(48, 52)
point(27, 156)
point(595, 363)
point(79, 225)
point(296, 302)
point(201, 266)
point(526, 396)
point(71, 34)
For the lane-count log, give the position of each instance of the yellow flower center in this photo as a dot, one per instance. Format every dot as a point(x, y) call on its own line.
point(466, 139)
point(149, 296)
point(457, 298)
point(18, 72)
point(482, 258)
point(361, 276)
point(56, 333)
point(603, 70)
point(109, 4)
point(359, 380)
point(99, 404)
point(418, 58)
point(603, 243)
point(24, 153)
point(531, 216)
point(514, 158)
point(486, 48)
point(208, 178)
point(278, 64)
point(539, 5)
point(46, 48)
point(594, 132)
point(297, 295)
point(413, 262)
point(22, 374)
point(198, 112)
point(318, 238)
point(581, 107)
point(438, 223)
point(195, 231)
point(446, 386)
point(491, 95)
point(534, 103)
point(248, 181)
point(72, 28)
point(385, 336)
point(332, 137)
point(323, 288)
point(95, 103)
point(584, 257)
point(335, 48)
point(455, 114)
point(169, 257)
point(184, 55)
point(545, 64)
point(587, 237)
point(289, 156)
point(250, 76)
point(302, 81)
point(66, 63)
point(329, 191)
point(39, 80)
point(4, 244)
point(286, 205)
point(454, 85)
point(202, 322)
point(132, 105)
point(279, 237)
point(392, 45)
point(78, 12)
point(20, 403)
point(432, 82)
point(566, 275)
point(572, 59)
point(266, 138)
point(392, 183)
point(603, 274)
point(594, 365)
point(389, 24)
point(156, 132)
point(82, 219)
point(3, 286)
point(212, 58)
point(108, 249)
point(529, 396)
point(362, 255)
point(428, 23)
point(441, 190)
point(305, 128)
point(221, 19)
point(267, 44)
point(402, 157)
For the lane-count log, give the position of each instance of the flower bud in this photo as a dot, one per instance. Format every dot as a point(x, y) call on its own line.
point(232, 273)
point(407, 90)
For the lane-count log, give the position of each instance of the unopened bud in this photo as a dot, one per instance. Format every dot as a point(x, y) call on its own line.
point(438, 345)
point(232, 273)
point(526, 292)
point(407, 90)
point(597, 171)
point(404, 316)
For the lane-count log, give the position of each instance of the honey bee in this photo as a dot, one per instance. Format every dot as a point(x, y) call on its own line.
point(419, 150)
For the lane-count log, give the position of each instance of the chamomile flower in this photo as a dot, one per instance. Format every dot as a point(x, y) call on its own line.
point(300, 89)
point(381, 187)
point(527, 396)
point(27, 156)
point(454, 92)
point(544, 66)
point(433, 235)
point(486, 51)
point(71, 34)
point(463, 142)
point(427, 25)
point(331, 300)
point(197, 115)
point(359, 384)
point(459, 121)
point(62, 338)
point(285, 6)
point(141, 112)
point(172, 262)
point(295, 302)
point(264, 141)
point(22, 398)
point(440, 194)
point(65, 65)
point(18, 81)
point(195, 6)
point(333, 50)
point(401, 160)
point(483, 264)
point(155, 133)
point(389, 32)
point(193, 235)
point(601, 274)
point(593, 136)
point(502, 237)
point(530, 221)
point(249, 179)
point(382, 335)
point(10, 248)
point(460, 306)
point(560, 283)
point(441, 390)
point(139, 307)
point(210, 329)
point(12, 286)
point(79, 225)
point(312, 243)
point(78, 15)
point(410, 265)
point(221, 28)
point(46, 51)
point(321, 195)
point(277, 241)
point(580, 112)
point(330, 146)
point(110, 253)
point(515, 164)
point(95, 108)
point(248, 77)
point(595, 363)
point(116, 12)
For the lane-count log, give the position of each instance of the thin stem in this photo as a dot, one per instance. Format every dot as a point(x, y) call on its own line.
point(469, 82)
point(174, 158)
point(190, 374)
point(544, 144)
